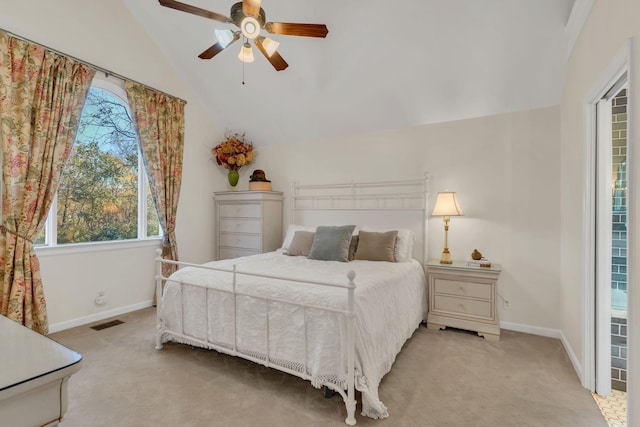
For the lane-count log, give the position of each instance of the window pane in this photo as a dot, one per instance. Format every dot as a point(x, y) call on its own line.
point(153, 224)
point(97, 197)
point(41, 239)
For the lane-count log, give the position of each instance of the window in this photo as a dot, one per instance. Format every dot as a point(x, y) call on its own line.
point(103, 193)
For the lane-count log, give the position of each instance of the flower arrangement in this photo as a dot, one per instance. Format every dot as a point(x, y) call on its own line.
point(233, 152)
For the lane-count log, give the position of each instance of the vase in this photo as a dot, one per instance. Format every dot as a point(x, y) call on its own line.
point(233, 177)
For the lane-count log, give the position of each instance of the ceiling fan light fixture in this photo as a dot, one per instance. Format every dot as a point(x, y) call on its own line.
point(246, 53)
point(250, 27)
point(270, 46)
point(224, 37)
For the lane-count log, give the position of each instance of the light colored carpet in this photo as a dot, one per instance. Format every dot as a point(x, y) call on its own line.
point(440, 379)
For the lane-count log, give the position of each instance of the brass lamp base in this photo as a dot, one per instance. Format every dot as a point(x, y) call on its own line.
point(446, 257)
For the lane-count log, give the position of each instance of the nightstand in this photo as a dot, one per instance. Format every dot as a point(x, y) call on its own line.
point(464, 297)
point(247, 223)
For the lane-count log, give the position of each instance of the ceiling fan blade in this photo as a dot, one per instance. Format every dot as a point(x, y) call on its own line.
point(211, 52)
point(251, 7)
point(291, 29)
point(194, 10)
point(275, 59)
point(216, 49)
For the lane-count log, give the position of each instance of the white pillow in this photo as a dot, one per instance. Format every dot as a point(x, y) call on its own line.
point(291, 231)
point(404, 245)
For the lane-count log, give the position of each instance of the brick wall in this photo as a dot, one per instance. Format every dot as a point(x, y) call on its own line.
point(619, 242)
point(619, 353)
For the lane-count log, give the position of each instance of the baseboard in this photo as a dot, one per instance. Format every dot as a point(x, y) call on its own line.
point(550, 333)
point(57, 327)
point(534, 330)
point(572, 356)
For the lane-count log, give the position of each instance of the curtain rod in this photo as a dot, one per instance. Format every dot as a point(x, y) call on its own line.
point(107, 72)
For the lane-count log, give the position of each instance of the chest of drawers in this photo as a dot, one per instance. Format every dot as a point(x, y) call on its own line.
point(247, 222)
point(463, 297)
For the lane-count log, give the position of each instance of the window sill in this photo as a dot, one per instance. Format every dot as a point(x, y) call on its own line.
point(81, 248)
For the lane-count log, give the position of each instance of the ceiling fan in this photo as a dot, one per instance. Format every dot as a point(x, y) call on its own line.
point(250, 18)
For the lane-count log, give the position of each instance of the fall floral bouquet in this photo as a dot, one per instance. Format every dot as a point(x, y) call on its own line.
point(233, 152)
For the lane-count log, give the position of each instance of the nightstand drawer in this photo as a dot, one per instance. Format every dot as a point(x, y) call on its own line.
point(464, 289)
point(241, 241)
point(228, 253)
point(463, 306)
point(240, 211)
point(239, 226)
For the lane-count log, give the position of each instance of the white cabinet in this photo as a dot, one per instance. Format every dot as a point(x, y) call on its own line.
point(34, 376)
point(463, 297)
point(247, 223)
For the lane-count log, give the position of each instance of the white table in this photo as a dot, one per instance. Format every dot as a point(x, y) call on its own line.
point(34, 371)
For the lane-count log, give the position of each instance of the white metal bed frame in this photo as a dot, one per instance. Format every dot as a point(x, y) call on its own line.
point(358, 198)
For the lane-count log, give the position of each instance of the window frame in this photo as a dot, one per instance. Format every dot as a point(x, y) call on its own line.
point(115, 87)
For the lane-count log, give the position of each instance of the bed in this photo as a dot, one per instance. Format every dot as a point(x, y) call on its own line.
point(336, 323)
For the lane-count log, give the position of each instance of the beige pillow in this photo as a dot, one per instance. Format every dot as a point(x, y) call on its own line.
point(374, 246)
point(301, 243)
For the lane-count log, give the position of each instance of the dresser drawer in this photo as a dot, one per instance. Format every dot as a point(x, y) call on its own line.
point(241, 241)
point(240, 226)
point(465, 289)
point(463, 306)
point(240, 211)
point(228, 253)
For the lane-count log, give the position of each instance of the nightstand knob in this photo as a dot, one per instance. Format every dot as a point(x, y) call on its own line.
point(461, 306)
point(462, 290)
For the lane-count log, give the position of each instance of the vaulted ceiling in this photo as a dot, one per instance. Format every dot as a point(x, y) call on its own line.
point(384, 65)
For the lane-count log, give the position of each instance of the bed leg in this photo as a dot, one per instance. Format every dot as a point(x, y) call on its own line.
point(159, 336)
point(158, 342)
point(351, 413)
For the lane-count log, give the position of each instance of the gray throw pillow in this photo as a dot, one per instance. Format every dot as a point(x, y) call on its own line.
point(377, 246)
point(331, 243)
point(301, 243)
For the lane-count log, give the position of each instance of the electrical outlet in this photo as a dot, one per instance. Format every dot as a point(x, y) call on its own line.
point(101, 299)
point(507, 304)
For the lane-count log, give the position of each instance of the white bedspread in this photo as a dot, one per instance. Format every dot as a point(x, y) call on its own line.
point(390, 304)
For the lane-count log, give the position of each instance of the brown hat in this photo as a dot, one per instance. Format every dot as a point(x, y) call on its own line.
point(258, 175)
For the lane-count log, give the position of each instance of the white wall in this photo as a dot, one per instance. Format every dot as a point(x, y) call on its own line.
point(506, 171)
point(604, 35)
point(104, 33)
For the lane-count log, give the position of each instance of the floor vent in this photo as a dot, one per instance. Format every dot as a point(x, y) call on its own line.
point(107, 325)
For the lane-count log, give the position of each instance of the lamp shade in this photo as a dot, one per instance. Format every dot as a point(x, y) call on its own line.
point(447, 205)
point(246, 53)
point(270, 46)
point(224, 37)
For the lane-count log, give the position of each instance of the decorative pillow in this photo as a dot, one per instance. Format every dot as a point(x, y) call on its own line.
point(301, 243)
point(291, 231)
point(331, 243)
point(374, 246)
point(404, 245)
point(353, 247)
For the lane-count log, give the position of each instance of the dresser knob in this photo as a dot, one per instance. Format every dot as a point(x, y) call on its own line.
point(462, 290)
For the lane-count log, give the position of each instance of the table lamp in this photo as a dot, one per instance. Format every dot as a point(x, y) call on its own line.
point(446, 206)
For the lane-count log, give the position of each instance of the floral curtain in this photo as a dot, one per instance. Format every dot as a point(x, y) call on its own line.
point(41, 99)
point(159, 119)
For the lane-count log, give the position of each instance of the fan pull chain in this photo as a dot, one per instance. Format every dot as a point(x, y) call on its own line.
point(243, 72)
